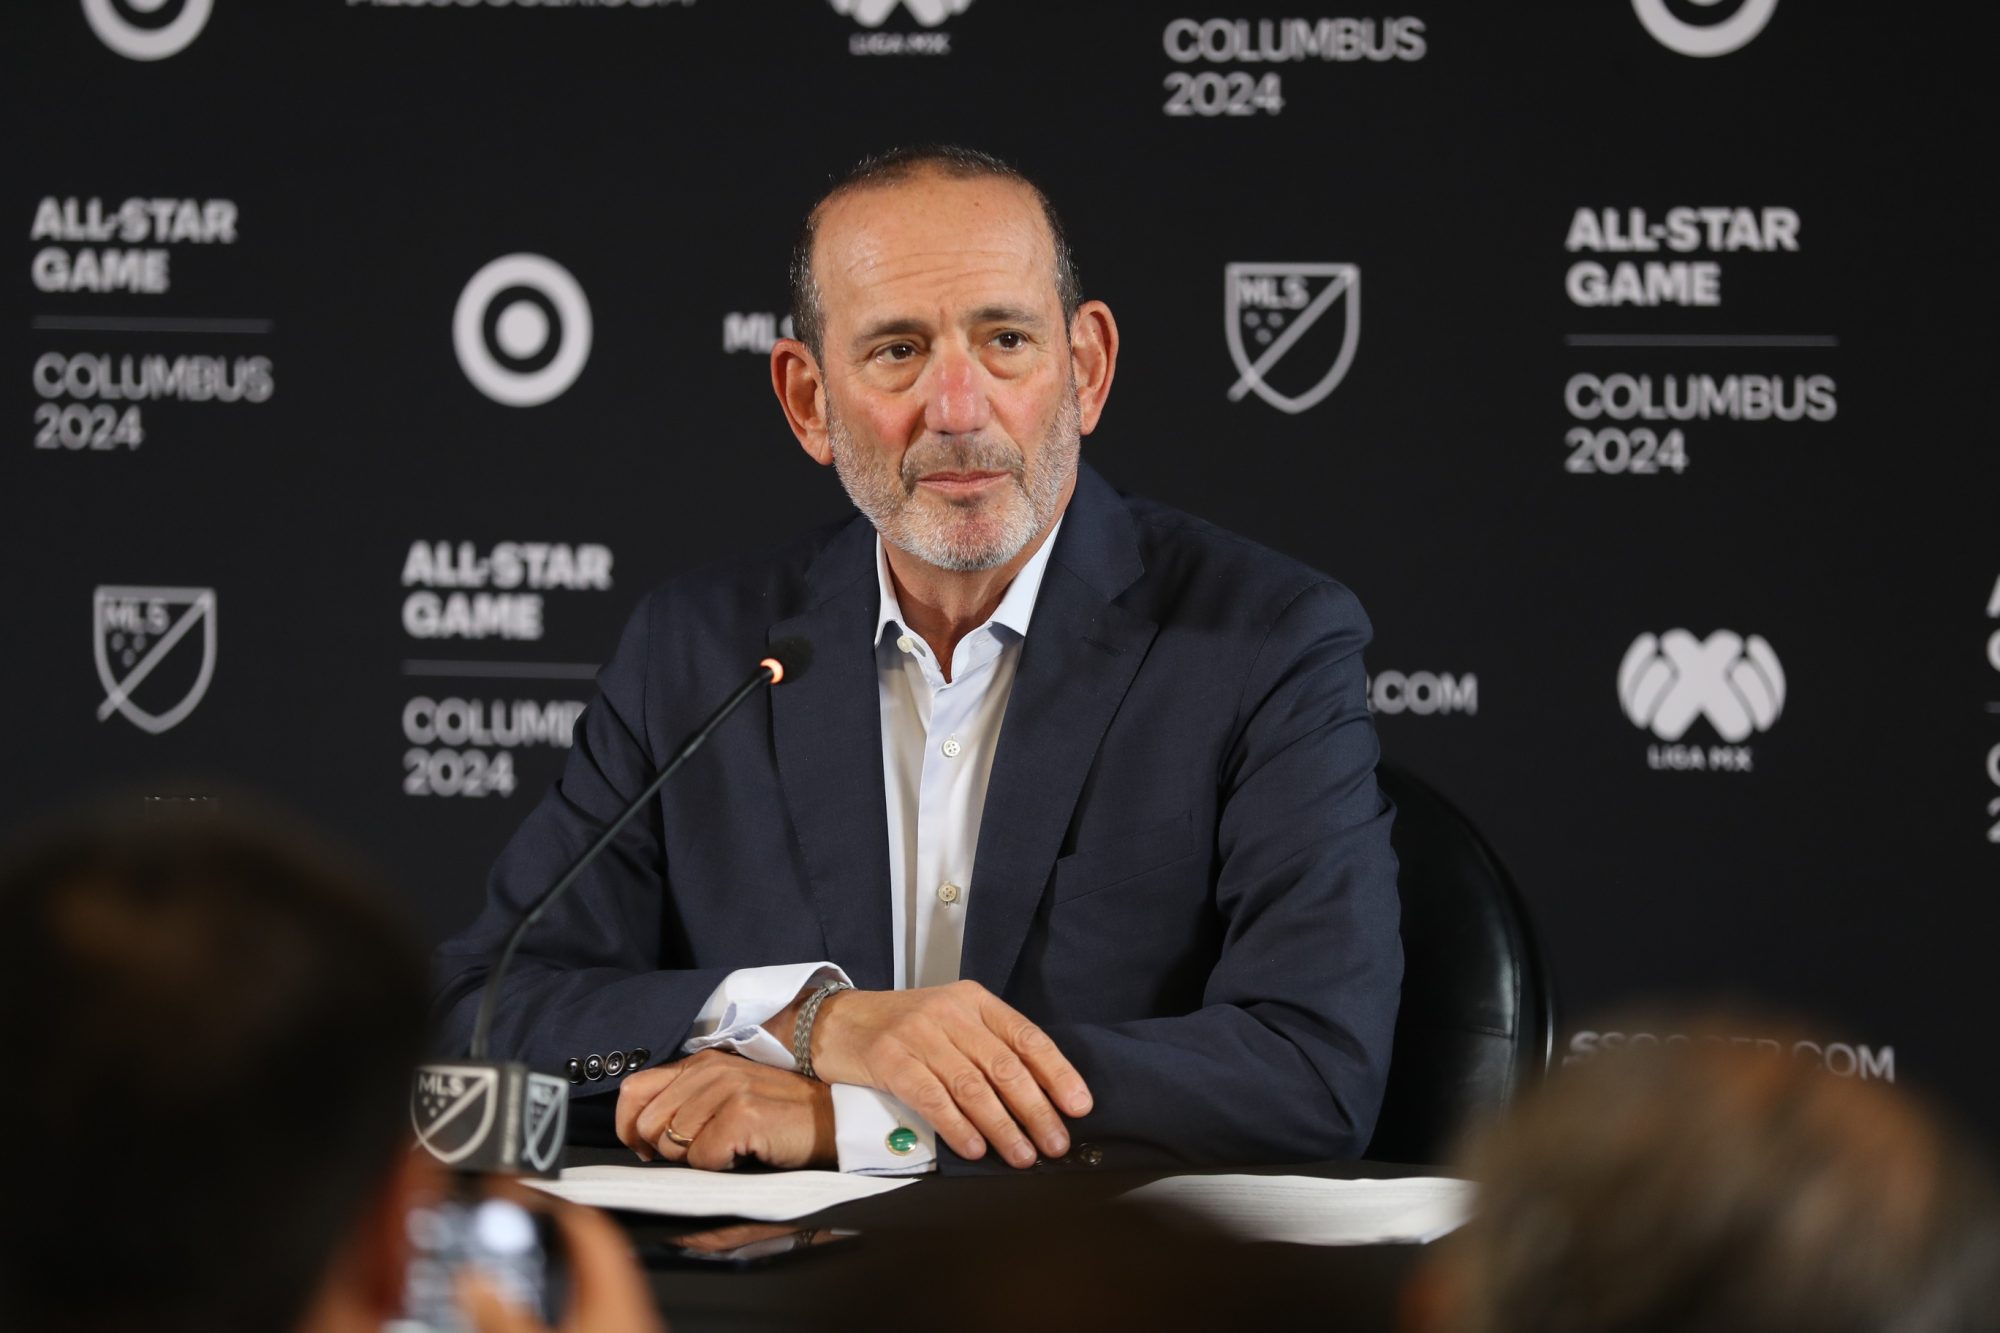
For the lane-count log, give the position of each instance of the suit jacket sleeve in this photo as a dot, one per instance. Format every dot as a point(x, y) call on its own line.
point(606, 991)
point(1287, 1057)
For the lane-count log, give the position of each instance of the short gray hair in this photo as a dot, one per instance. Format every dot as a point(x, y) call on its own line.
point(891, 168)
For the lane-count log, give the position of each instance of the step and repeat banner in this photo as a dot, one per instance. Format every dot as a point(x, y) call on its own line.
point(365, 361)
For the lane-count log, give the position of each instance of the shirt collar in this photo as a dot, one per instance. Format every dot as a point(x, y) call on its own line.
point(1016, 607)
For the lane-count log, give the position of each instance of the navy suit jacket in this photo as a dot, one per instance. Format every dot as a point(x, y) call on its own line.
point(1183, 872)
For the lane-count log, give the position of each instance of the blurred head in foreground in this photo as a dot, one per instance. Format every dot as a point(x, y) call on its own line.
point(211, 1034)
point(1707, 1186)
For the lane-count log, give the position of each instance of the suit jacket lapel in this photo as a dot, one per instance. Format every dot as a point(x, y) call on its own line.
point(827, 731)
point(1077, 662)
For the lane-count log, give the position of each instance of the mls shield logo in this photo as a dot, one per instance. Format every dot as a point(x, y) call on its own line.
point(547, 1103)
point(1268, 312)
point(137, 636)
point(452, 1109)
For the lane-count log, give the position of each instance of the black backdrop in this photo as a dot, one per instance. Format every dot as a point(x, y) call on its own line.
point(1764, 442)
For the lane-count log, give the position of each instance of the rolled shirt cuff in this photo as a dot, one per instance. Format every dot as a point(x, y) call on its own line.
point(876, 1135)
point(733, 1018)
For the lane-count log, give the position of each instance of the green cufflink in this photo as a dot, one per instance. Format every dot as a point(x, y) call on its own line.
point(902, 1140)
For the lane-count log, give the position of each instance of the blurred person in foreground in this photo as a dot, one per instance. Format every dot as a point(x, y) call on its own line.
point(213, 1034)
point(1707, 1185)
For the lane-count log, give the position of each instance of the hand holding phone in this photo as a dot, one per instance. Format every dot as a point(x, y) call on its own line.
point(606, 1291)
point(515, 1262)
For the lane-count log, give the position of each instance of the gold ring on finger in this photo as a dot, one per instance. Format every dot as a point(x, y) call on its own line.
point(680, 1140)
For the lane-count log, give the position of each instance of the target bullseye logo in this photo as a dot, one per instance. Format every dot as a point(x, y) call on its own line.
point(147, 29)
point(522, 330)
point(1733, 28)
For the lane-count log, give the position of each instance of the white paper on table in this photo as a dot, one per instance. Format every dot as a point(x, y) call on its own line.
point(679, 1191)
point(1306, 1210)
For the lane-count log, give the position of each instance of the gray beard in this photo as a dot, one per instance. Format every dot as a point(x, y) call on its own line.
point(983, 534)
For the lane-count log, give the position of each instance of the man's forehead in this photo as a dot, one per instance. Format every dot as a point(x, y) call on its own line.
point(932, 229)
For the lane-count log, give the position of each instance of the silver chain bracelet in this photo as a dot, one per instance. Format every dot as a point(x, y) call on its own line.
point(802, 1029)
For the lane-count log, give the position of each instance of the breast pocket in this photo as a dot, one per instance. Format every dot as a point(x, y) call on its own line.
point(1109, 862)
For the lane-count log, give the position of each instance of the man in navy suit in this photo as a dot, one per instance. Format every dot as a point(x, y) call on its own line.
point(1074, 823)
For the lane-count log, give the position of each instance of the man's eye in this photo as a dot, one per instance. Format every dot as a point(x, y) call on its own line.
point(897, 352)
point(1011, 341)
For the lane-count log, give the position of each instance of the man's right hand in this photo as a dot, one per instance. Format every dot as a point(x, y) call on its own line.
point(972, 1066)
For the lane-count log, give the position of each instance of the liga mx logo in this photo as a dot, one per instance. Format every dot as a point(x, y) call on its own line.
point(1268, 310)
point(1665, 683)
point(1732, 26)
point(522, 330)
point(874, 13)
point(135, 633)
point(147, 29)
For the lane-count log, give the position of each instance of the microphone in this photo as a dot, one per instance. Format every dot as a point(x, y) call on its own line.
point(498, 1115)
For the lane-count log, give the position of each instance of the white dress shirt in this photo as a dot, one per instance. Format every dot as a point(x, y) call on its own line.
point(938, 742)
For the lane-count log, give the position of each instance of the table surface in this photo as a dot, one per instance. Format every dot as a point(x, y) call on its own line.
point(1036, 1249)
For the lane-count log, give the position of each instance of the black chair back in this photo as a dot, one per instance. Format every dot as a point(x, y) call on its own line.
point(1478, 1018)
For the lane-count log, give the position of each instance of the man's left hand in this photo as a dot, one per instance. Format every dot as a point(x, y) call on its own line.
point(729, 1110)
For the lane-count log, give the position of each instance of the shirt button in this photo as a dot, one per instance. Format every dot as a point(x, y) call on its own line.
point(951, 747)
point(906, 643)
point(949, 892)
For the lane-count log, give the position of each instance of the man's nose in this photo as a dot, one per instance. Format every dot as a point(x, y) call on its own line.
point(957, 403)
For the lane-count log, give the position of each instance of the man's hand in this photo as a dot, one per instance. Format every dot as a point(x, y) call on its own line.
point(732, 1110)
point(607, 1293)
point(970, 1065)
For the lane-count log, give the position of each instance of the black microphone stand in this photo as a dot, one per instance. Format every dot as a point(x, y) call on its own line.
point(486, 1115)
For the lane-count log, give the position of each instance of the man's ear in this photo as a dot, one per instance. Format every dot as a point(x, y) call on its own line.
point(801, 390)
point(1093, 358)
